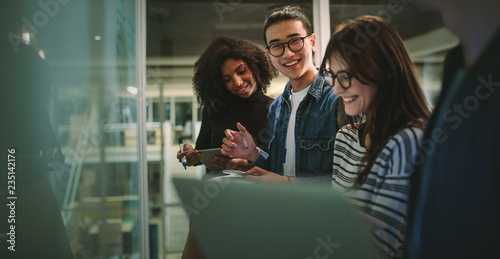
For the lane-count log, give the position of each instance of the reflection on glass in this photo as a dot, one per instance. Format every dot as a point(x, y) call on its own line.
point(90, 50)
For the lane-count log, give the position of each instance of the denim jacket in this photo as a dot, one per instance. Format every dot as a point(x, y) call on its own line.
point(315, 130)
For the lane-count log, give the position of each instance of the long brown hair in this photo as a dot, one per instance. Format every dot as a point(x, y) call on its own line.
point(374, 53)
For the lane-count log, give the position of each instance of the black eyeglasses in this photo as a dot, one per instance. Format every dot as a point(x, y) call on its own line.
point(294, 44)
point(343, 77)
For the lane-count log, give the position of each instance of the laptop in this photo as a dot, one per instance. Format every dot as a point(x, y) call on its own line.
point(236, 219)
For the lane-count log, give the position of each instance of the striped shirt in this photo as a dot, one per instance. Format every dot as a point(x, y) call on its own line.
point(383, 197)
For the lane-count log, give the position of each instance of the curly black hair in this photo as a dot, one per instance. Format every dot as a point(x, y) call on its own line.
point(207, 81)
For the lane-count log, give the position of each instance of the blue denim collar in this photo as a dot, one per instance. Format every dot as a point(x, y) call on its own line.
point(316, 89)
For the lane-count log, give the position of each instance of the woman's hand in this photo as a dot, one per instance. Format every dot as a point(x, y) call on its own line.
point(239, 144)
point(258, 174)
point(192, 155)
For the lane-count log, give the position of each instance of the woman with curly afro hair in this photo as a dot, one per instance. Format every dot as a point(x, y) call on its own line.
point(230, 79)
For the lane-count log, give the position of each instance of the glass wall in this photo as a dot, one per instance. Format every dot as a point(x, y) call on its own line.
point(85, 55)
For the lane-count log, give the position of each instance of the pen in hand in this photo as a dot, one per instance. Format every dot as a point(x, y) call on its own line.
point(244, 140)
point(181, 147)
point(240, 127)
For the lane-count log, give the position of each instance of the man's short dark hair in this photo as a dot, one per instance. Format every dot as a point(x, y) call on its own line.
point(287, 13)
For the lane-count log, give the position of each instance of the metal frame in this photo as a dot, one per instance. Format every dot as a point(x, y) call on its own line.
point(321, 23)
point(140, 22)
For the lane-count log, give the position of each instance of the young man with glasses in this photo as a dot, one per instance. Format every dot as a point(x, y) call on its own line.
point(302, 120)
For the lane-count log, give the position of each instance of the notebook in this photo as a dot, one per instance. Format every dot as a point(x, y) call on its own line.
point(234, 219)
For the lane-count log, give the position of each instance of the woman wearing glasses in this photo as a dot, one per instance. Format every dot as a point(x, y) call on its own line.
point(385, 111)
point(230, 79)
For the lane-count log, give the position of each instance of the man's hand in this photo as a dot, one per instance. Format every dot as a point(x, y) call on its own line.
point(234, 144)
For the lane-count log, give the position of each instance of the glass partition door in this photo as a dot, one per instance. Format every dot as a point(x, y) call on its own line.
point(84, 198)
